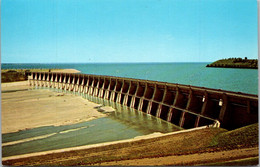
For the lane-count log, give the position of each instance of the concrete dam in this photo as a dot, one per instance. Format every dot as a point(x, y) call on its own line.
point(183, 105)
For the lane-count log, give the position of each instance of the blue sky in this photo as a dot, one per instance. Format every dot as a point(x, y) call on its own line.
point(71, 31)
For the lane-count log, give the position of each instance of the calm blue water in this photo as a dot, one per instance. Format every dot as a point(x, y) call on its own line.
point(196, 74)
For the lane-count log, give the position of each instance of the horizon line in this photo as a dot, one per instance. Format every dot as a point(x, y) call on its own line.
point(106, 62)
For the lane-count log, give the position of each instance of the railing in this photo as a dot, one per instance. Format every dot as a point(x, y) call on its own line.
point(183, 105)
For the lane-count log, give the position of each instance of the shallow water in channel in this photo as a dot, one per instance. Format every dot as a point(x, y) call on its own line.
point(123, 123)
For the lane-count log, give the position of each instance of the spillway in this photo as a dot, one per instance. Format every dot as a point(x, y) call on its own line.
point(183, 105)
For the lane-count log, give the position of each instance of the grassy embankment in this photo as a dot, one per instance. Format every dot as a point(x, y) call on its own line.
point(209, 140)
point(235, 63)
point(13, 75)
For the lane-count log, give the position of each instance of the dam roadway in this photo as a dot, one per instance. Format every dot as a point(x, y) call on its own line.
point(183, 105)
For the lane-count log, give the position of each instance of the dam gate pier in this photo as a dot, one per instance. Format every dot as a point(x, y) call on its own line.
point(183, 105)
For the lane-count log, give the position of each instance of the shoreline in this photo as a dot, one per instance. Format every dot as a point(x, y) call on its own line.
point(67, 70)
point(14, 75)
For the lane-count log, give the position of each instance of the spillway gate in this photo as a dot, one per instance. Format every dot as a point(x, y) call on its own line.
point(183, 105)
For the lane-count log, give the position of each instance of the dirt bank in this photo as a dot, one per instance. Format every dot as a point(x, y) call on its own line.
point(192, 159)
point(198, 147)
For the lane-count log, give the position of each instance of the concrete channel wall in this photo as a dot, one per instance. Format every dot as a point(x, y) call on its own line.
point(183, 105)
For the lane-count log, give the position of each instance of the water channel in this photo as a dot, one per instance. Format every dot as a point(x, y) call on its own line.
point(123, 123)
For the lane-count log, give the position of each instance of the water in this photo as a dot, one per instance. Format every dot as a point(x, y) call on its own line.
point(124, 123)
point(196, 74)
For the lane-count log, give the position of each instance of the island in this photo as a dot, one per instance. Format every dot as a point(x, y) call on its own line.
point(235, 63)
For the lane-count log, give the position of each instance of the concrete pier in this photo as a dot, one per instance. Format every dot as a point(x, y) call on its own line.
point(184, 105)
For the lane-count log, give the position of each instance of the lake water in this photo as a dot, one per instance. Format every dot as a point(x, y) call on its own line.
point(196, 74)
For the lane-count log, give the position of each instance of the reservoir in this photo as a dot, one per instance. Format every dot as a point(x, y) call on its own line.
point(195, 74)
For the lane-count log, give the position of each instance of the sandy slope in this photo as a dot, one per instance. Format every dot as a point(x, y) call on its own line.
point(66, 70)
point(25, 109)
point(13, 86)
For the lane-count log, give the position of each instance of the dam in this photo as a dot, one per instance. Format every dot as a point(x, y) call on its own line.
point(183, 105)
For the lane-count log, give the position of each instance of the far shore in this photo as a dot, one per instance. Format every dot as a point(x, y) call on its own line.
point(14, 75)
point(65, 70)
point(43, 70)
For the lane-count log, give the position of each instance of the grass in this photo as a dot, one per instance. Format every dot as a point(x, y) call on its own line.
point(31, 70)
point(242, 162)
point(13, 75)
point(243, 137)
point(235, 63)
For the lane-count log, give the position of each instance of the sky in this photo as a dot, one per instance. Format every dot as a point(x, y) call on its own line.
point(105, 31)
